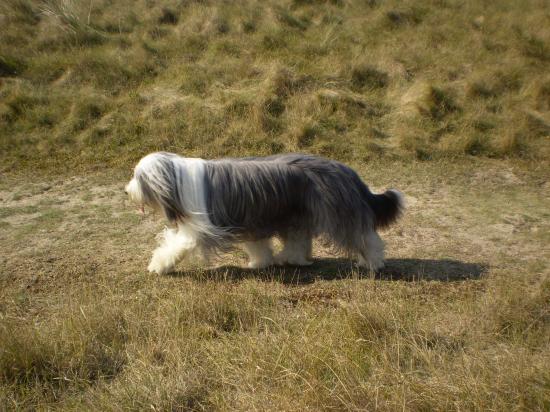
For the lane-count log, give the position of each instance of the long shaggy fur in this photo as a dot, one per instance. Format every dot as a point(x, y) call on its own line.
point(213, 204)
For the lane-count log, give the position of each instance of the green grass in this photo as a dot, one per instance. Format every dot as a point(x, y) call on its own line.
point(89, 84)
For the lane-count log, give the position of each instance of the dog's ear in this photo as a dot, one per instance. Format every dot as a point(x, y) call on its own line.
point(160, 189)
point(170, 209)
point(171, 201)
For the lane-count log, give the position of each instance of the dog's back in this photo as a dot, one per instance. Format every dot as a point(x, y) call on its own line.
point(264, 196)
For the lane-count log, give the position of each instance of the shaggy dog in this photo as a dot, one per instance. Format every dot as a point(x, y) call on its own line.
point(213, 204)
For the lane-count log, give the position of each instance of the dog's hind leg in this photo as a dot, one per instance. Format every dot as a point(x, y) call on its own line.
point(259, 253)
point(372, 255)
point(296, 249)
point(175, 244)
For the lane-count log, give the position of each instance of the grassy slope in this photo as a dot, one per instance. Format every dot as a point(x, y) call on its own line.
point(459, 319)
point(99, 83)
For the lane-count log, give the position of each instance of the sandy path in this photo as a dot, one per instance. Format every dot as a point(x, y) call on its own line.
point(58, 230)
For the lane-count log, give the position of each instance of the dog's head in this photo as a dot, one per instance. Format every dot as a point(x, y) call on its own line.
point(133, 190)
point(155, 185)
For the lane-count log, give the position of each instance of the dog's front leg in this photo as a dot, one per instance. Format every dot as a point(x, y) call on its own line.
point(175, 244)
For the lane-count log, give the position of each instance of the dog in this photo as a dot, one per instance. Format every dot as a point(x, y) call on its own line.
point(211, 205)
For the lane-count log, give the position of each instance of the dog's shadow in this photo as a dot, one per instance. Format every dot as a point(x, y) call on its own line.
point(444, 270)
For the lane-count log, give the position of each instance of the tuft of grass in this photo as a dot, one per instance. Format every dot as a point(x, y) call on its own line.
point(25, 11)
point(533, 46)
point(274, 40)
point(427, 100)
point(274, 106)
point(87, 112)
point(168, 17)
point(306, 134)
point(522, 318)
point(288, 19)
point(542, 97)
point(441, 103)
point(407, 16)
point(10, 66)
point(64, 352)
point(368, 77)
point(495, 84)
point(110, 73)
point(66, 16)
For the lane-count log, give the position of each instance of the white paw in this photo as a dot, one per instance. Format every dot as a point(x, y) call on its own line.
point(158, 266)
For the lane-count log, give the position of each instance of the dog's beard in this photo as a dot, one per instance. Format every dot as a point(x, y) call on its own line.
point(134, 193)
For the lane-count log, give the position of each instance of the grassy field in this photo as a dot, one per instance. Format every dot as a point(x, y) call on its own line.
point(446, 100)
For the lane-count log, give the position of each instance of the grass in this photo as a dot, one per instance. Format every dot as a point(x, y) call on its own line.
point(458, 320)
point(436, 79)
point(446, 100)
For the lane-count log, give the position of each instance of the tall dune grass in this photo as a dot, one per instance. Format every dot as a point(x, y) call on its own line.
point(353, 80)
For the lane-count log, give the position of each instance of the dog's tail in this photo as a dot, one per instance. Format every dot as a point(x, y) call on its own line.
point(387, 207)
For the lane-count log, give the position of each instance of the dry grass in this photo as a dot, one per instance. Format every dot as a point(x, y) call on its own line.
point(353, 80)
point(447, 100)
point(458, 320)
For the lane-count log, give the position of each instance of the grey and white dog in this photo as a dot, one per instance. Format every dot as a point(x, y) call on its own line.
point(214, 204)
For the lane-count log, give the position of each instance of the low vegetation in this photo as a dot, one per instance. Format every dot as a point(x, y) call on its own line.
point(98, 83)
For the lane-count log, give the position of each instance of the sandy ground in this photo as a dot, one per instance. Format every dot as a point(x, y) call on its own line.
point(462, 225)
